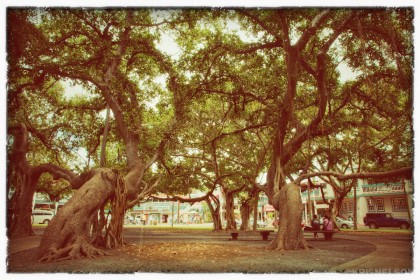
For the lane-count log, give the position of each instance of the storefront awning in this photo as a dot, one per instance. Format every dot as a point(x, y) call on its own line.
point(322, 205)
point(269, 208)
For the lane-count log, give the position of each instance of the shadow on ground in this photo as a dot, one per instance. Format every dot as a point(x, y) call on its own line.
point(200, 251)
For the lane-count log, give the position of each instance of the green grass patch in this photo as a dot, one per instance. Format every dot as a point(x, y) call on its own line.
point(175, 227)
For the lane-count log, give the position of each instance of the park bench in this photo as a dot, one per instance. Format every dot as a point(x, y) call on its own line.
point(263, 233)
point(322, 231)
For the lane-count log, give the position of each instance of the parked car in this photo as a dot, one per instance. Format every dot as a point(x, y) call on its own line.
point(42, 216)
point(342, 223)
point(376, 220)
point(260, 224)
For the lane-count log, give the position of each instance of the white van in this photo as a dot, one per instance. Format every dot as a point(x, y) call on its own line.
point(41, 216)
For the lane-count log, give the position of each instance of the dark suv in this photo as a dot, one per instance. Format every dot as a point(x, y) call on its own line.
point(376, 220)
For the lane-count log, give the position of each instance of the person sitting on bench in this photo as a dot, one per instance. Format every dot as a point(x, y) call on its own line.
point(328, 226)
point(315, 224)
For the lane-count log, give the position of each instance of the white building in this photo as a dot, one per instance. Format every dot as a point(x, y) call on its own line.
point(371, 197)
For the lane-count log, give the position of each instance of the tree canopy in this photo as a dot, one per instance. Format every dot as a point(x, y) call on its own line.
point(201, 98)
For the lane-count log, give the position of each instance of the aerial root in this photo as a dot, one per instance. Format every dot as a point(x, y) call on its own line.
point(74, 251)
point(277, 245)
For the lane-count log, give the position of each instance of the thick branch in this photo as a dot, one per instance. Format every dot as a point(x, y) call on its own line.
point(311, 31)
point(56, 171)
point(405, 172)
point(189, 200)
point(147, 191)
point(238, 131)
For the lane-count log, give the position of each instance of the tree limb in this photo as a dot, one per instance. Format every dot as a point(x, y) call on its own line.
point(405, 172)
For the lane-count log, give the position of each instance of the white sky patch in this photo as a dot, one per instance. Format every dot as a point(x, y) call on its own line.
point(81, 160)
point(103, 114)
point(169, 46)
point(71, 90)
point(346, 73)
point(234, 26)
point(152, 103)
point(262, 178)
point(167, 43)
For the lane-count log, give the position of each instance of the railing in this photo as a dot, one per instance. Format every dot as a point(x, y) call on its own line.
point(315, 193)
point(383, 187)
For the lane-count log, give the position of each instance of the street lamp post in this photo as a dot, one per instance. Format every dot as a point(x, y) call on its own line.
point(355, 206)
point(407, 199)
point(172, 220)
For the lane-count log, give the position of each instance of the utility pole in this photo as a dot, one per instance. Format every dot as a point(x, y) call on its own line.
point(355, 205)
point(310, 203)
point(172, 220)
point(254, 226)
point(178, 211)
point(407, 199)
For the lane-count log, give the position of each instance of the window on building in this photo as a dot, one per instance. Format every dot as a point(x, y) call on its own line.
point(371, 205)
point(350, 206)
point(397, 187)
point(380, 206)
point(344, 207)
point(399, 204)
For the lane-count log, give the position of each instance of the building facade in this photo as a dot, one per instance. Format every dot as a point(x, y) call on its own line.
point(371, 197)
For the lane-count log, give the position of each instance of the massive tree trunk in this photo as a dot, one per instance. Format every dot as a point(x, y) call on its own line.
point(97, 187)
point(230, 205)
point(248, 206)
point(286, 197)
point(230, 211)
point(23, 182)
point(246, 210)
point(338, 201)
point(214, 205)
point(74, 221)
point(24, 178)
point(26, 183)
point(68, 234)
point(290, 234)
point(21, 223)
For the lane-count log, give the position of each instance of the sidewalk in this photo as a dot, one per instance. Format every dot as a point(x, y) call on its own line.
point(18, 244)
point(390, 254)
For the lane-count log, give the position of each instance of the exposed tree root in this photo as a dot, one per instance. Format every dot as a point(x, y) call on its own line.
point(279, 244)
point(80, 248)
point(280, 247)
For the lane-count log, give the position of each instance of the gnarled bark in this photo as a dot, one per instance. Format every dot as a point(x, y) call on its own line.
point(290, 234)
point(24, 178)
point(68, 234)
point(214, 205)
point(230, 211)
point(245, 210)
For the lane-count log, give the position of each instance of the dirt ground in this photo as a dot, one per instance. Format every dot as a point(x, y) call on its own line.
point(200, 251)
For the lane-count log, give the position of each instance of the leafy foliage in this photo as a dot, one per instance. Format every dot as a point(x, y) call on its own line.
point(236, 80)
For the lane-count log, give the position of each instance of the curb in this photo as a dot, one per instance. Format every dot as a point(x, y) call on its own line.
point(369, 263)
point(356, 232)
